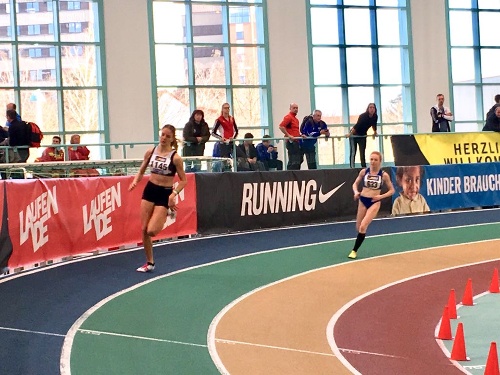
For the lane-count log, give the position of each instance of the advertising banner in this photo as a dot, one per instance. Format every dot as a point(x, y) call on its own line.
point(35, 226)
point(251, 200)
point(446, 148)
point(5, 242)
point(432, 188)
point(54, 218)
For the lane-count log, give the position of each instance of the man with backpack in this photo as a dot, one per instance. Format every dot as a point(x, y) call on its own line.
point(312, 127)
point(19, 135)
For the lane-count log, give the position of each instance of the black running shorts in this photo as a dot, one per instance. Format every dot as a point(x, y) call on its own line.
point(156, 194)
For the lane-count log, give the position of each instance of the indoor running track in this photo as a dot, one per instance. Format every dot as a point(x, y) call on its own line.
point(162, 327)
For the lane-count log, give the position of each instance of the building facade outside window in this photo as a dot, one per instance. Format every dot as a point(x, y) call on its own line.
point(51, 66)
point(207, 53)
point(474, 56)
point(360, 53)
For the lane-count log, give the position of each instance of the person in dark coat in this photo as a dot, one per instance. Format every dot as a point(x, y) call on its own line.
point(358, 132)
point(196, 133)
point(493, 121)
point(247, 155)
point(19, 135)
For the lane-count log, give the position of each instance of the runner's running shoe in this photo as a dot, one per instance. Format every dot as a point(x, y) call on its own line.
point(352, 255)
point(146, 268)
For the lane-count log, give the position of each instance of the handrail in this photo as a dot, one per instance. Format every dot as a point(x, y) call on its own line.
point(278, 142)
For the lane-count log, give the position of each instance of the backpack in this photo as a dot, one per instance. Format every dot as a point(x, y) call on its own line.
point(304, 122)
point(35, 134)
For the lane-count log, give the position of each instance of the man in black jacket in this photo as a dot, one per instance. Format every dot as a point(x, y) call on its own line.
point(19, 135)
point(493, 121)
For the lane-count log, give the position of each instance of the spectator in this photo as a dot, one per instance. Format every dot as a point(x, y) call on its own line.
point(195, 134)
point(80, 153)
point(19, 135)
point(52, 153)
point(225, 130)
point(366, 120)
point(441, 116)
point(14, 107)
point(290, 128)
point(247, 155)
point(313, 127)
point(267, 155)
point(492, 109)
point(493, 121)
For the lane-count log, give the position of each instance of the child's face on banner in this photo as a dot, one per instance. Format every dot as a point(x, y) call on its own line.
point(411, 182)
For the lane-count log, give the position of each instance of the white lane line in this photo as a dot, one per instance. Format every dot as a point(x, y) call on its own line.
point(223, 341)
point(98, 333)
point(31, 331)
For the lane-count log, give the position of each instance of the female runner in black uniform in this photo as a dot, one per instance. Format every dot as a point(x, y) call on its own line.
point(158, 196)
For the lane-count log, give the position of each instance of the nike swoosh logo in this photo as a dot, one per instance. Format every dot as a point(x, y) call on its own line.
point(324, 197)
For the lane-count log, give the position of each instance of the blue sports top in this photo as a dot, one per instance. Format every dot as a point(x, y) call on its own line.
point(374, 182)
point(162, 165)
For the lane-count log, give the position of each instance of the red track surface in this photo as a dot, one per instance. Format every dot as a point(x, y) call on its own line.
point(395, 326)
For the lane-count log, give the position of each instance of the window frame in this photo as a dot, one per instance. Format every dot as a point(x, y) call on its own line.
point(266, 126)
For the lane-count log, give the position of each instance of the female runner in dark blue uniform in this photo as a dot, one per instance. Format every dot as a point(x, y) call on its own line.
point(369, 198)
point(159, 196)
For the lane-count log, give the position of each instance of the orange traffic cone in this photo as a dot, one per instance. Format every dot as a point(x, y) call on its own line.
point(445, 327)
point(458, 349)
point(492, 361)
point(467, 298)
point(452, 305)
point(494, 288)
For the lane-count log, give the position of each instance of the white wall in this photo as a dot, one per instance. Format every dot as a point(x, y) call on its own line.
point(128, 73)
point(430, 58)
point(289, 65)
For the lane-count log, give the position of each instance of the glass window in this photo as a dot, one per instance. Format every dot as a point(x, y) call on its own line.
point(465, 4)
point(461, 28)
point(489, 4)
point(57, 85)
point(326, 65)
point(474, 56)
point(208, 53)
point(360, 55)
point(321, 17)
point(357, 26)
point(488, 28)
point(462, 65)
point(490, 68)
point(359, 66)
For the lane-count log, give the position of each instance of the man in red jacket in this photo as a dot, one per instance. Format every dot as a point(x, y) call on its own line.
point(291, 129)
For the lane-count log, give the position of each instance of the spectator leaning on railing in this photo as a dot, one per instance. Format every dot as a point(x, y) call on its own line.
point(366, 120)
point(493, 121)
point(497, 104)
point(313, 127)
point(196, 133)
